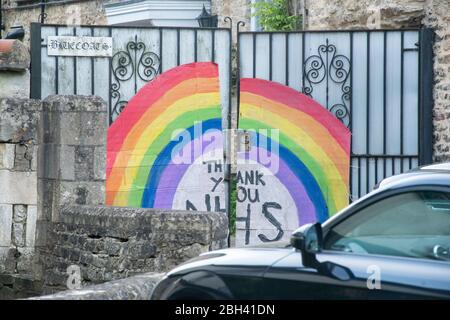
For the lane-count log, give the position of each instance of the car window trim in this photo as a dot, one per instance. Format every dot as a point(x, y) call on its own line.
point(381, 195)
point(385, 257)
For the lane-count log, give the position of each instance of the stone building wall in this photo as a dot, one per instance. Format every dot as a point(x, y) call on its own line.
point(237, 10)
point(363, 14)
point(437, 16)
point(351, 14)
point(87, 12)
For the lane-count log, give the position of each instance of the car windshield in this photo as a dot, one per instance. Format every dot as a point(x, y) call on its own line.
point(412, 224)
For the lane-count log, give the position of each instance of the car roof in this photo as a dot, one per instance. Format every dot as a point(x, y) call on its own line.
point(435, 174)
point(444, 167)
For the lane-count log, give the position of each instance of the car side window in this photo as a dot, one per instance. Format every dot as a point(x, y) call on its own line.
point(412, 224)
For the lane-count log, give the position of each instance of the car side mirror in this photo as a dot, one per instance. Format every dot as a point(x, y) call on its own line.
point(308, 240)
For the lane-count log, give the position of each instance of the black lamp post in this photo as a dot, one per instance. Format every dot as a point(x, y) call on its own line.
point(206, 20)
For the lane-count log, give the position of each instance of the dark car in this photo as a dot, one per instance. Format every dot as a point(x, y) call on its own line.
point(394, 243)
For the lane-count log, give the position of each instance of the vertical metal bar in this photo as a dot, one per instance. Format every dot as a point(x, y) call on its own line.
point(376, 169)
point(384, 97)
point(92, 68)
point(43, 14)
point(36, 71)
point(303, 61)
point(327, 88)
point(178, 46)
point(359, 177)
point(230, 176)
point(110, 83)
point(402, 44)
point(368, 95)
point(350, 180)
point(213, 45)
point(367, 173)
point(56, 68)
point(426, 40)
point(351, 112)
point(160, 50)
point(254, 54)
point(230, 76)
point(238, 69)
point(75, 67)
point(393, 165)
point(287, 59)
point(136, 66)
point(351, 89)
point(270, 56)
point(195, 45)
point(1, 19)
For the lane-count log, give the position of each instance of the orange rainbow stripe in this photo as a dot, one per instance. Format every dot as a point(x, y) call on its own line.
point(140, 139)
point(314, 145)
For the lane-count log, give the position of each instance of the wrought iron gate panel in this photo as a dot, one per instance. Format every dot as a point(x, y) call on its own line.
point(139, 54)
point(370, 80)
point(377, 82)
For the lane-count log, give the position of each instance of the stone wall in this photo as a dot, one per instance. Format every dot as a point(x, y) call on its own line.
point(109, 243)
point(237, 10)
point(350, 14)
point(14, 69)
point(437, 16)
point(52, 153)
point(86, 12)
point(72, 161)
point(52, 164)
point(19, 120)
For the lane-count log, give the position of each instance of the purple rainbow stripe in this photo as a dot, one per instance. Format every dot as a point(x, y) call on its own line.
point(173, 173)
point(305, 208)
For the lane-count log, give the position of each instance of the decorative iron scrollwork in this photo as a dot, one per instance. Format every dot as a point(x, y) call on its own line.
point(329, 67)
point(127, 66)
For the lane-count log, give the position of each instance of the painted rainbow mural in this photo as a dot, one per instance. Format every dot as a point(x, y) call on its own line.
point(313, 149)
point(177, 113)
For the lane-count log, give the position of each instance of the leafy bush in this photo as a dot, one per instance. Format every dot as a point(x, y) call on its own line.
point(233, 202)
point(274, 16)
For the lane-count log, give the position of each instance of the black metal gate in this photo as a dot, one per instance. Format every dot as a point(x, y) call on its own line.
point(139, 55)
point(377, 82)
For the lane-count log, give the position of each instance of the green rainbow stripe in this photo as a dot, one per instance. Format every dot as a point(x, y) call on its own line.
point(174, 101)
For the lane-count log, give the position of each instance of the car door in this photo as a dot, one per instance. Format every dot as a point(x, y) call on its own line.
point(395, 246)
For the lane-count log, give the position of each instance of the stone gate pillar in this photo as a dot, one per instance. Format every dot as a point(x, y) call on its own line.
point(72, 153)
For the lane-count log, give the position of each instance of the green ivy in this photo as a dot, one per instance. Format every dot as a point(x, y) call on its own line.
point(274, 16)
point(233, 202)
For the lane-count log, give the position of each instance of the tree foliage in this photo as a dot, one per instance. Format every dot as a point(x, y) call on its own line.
point(274, 15)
